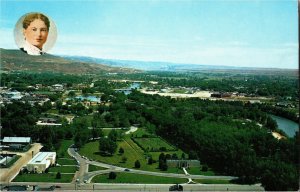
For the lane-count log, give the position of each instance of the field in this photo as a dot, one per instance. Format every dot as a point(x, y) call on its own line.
point(153, 144)
point(66, 161)
point(63, 150)
point(131, 151)
point(63, 169)
point(197, 171)
point(212, 181)
point(134, 178)
point(95, 168)
point(44, 177)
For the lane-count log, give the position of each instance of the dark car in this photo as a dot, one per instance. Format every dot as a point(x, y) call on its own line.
point(176, 187)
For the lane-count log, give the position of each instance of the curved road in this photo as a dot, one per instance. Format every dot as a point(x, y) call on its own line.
point(84, 175)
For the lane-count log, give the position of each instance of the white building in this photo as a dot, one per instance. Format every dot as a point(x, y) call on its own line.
point(41, 162)
point(13, 95)
point(18, 140)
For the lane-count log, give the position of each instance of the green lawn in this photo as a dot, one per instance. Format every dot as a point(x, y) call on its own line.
point(91, 151)
point(44, 177)
point(95, 168)
point(120, 131)
point(63, 169)
point(153, 144)
point(63, 150)
point(212, 181)
point(136, 178)
point(66, 161)
point(197, 171)
point(131, 151)
point(139, 133)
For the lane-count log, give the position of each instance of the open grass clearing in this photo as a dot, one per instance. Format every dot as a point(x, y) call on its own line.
point(63, 149)
point(212, 181)
point(137, 178)
point(198, 171)
point(63, 169)
point(44, 177)
point(95, 168)
point(140, 133)
point(91, 150)
point(66, 161)
point(153, 144)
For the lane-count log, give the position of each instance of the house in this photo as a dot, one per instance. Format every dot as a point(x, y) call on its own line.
point(41, 161)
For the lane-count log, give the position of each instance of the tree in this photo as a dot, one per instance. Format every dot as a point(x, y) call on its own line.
point(137, 164)
point(121, 150)
point(71, 94)
point(58, 175)
point(106, 145)
point(204, 168)
point(112, 175)
point(113, 135)
point(124, 159)
point(183, 156)
point(150, 161)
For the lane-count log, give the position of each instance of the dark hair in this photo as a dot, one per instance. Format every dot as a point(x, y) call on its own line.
point(33, 16)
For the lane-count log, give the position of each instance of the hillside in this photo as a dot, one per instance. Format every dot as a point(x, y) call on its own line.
point(15, 60)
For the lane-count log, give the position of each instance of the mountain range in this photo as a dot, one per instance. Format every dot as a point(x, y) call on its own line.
point(16, 60)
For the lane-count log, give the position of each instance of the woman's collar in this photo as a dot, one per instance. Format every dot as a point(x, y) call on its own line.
point(31, 49)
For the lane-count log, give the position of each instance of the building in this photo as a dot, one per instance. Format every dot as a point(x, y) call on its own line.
point(41, 161)
point(16, 142)
point(15, 95)
point(183, 163)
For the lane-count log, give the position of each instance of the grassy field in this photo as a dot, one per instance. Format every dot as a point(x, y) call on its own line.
point(139, 133)
point(131, 151)
point(44, 177)
point(63, 150)
point(95, 168)
point(120, 131)
point(66, 161)
point(212, 181)
point(90, 150)
point(135, 178)
point(153, 144)
point(197, 171)
point(63, 169)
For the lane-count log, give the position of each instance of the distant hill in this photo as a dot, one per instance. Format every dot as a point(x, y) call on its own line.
point(15, 60)
point(175, 67)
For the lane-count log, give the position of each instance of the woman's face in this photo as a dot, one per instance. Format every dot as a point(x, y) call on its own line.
point(36, 33)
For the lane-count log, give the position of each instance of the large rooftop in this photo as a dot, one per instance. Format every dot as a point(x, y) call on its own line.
point(16, 140)
point(41, 157)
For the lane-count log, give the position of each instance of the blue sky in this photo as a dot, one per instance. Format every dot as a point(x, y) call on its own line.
point(235, 33)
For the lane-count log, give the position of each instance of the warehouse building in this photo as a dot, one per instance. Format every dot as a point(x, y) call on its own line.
point(16, 143)
point(41, 162)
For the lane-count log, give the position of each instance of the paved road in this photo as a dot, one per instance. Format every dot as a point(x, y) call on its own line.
point(143, 187)
point(8, 174)
point(84, 175)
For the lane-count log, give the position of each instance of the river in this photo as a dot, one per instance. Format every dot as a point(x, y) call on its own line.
point(286, 125)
